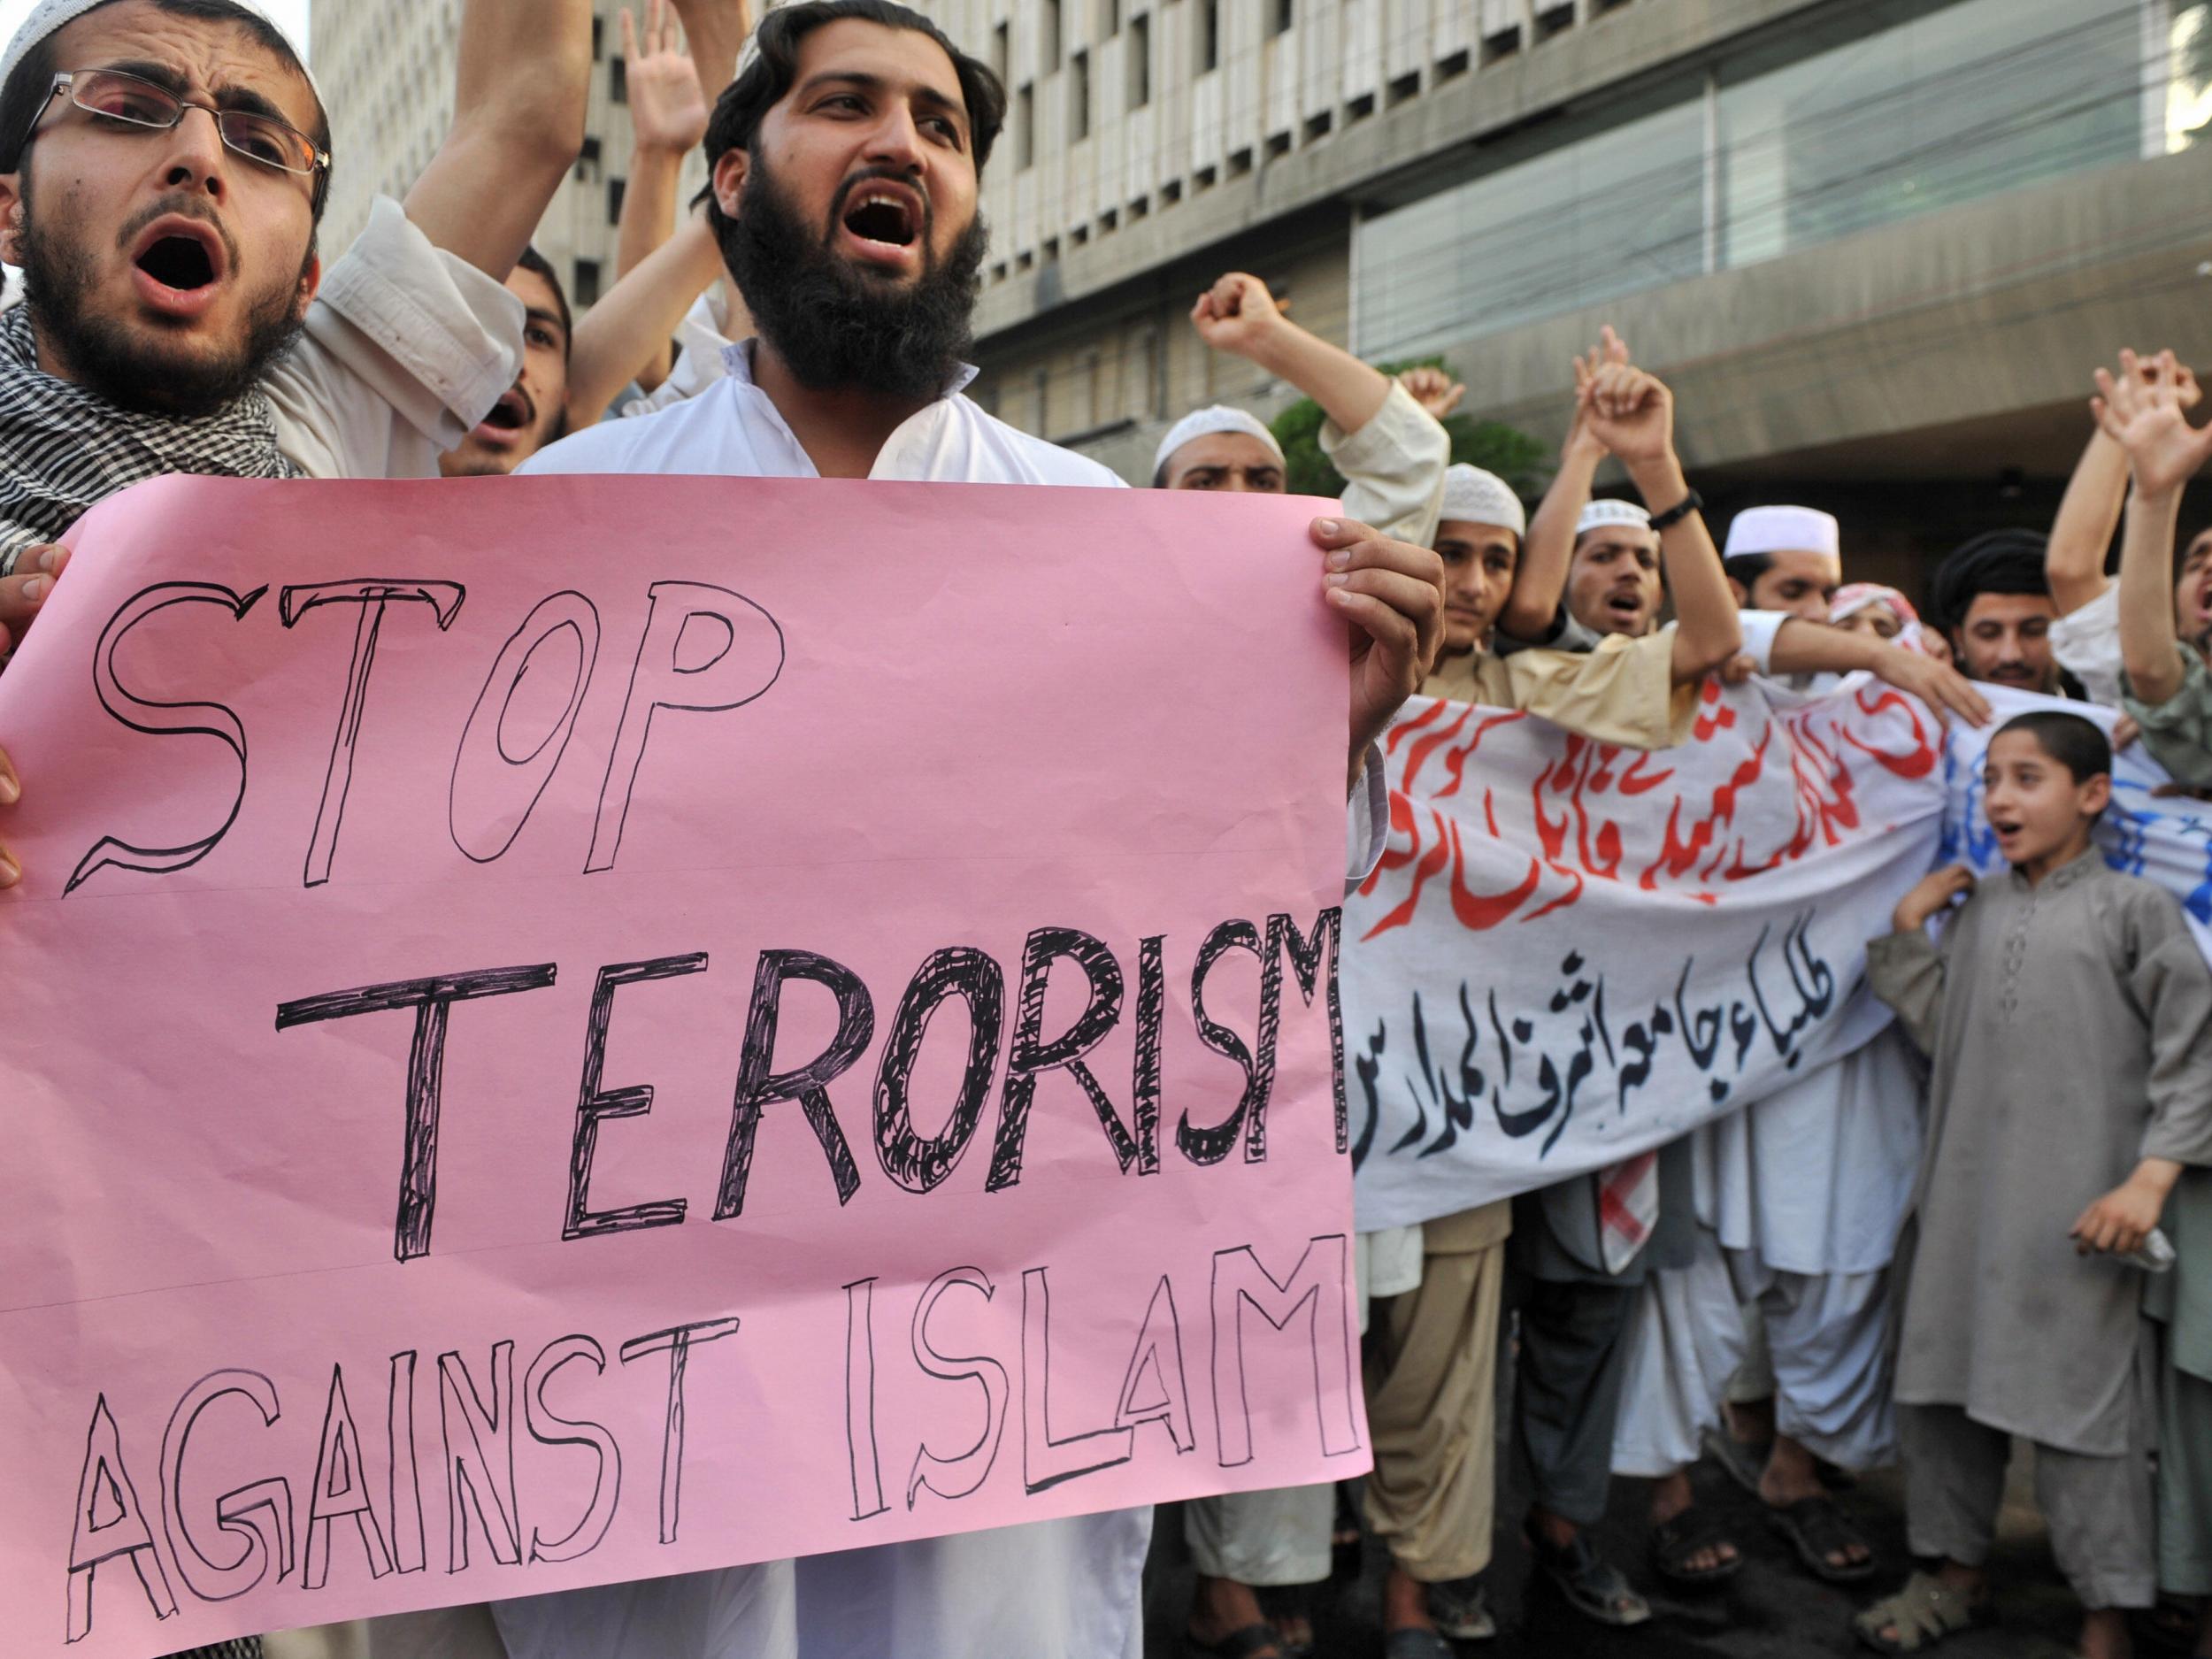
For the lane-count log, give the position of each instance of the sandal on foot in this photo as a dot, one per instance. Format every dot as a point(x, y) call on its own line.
point(1690, 1534)
point(1924, 1613)
point(1817, 1531)
point(1414, 1643)
point(1593, 1588)
point(1249, 1642)
point(1460, 1610)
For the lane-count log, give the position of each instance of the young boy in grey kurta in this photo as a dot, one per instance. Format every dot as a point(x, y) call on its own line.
point(2068, 1014)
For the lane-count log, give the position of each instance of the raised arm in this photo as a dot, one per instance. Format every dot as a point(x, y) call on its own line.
point(521, 76)
point(2090, 512)
point(2142, 414)
point(1632, 415)
point(636, 317)
point(715, 32)
point(2087, 516)
point(1539, 579)
point(1238, 315)
point(668, 115)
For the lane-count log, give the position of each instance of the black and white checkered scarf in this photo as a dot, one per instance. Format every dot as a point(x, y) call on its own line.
point(62, 449)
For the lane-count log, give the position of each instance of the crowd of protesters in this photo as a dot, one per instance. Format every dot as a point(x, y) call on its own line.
point(1928, 1254)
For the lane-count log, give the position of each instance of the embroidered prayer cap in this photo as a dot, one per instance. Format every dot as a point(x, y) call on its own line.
point(1605, 509)
point(1474, 496)
point(1783, 530)
point(49, 15)
point(1202, 422)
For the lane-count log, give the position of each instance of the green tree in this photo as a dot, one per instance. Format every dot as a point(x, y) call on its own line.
point(1515, 456)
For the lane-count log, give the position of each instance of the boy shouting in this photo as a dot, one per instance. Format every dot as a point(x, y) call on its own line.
point(2068, 1015)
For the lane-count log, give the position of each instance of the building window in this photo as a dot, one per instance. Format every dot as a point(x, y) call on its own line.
point(1139, 62)
point(588, 159)
point(1001, 50)
point(598, 38)
point(1049, 18)
point(1079, 97)
point(614, 201)
point(1109, 18)
point(1208, 17)
point(618, 82)
point(1283, 16)
point(1025, 128)
point(586, 288)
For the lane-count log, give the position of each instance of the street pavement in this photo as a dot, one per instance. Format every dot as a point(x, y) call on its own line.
point(1772, 1610)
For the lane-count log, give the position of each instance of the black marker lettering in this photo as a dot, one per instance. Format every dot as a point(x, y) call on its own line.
point(156, 720)
point(108, 1523)
point(425, 1069)
point(760, 1086)
point(1319, 1287)
point(966, 1470)
point(743, 663)
point(860, 1400)
point(606, 1481)
point(1046, 1461)
point(915, 1162)
point(480, 1458)
point(676, 1344)
point(1028, 1056)
point(340, 1492)
point(595, 1105)
point(498, 784)
point(262, 1539)
point(371, 593)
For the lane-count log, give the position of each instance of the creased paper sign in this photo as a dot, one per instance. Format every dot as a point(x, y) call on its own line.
point(571, 1029)
point(1572, 953)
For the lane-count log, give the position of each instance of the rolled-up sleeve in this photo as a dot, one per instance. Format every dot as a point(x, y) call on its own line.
point(405, 347)
point(2178, 731)
point(1394, 468)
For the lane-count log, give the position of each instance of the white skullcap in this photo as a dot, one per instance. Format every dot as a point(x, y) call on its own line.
point(1783, 530)
point(48, 15)
point(1219, 418)
point(1474, 496)
point(1605, 510)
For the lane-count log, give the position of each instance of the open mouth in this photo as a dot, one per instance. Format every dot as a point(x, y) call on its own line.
point(881, 216)
point(511, 413)
point(2005, 831)
point(1627, 607)
point(180, 256)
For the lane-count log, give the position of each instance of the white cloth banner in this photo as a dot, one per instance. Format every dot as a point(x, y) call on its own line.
point(1571, 952)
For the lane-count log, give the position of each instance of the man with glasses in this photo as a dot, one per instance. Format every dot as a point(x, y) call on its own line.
point(164, 165)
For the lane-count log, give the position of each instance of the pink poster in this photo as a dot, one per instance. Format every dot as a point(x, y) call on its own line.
point(571, 1029)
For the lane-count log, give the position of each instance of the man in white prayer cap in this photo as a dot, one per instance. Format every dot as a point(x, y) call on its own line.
point(1782, 1307)
point(1391, 451)
point(1479, 538)
point(1787, 559)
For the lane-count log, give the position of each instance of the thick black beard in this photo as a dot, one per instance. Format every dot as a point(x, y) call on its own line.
point(130, 367)
point(835, 327)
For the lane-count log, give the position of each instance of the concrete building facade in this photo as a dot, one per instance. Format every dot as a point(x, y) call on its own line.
point(387, 71)
point(1879, 245)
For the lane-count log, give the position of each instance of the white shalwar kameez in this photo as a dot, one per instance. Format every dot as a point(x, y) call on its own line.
point(1064, 1589)
point(1800, 1197)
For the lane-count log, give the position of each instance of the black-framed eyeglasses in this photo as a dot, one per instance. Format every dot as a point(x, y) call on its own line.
point(127, 100)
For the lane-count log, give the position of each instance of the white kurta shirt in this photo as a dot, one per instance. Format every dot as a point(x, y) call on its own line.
point(1067, 1589)
point(406, 348)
